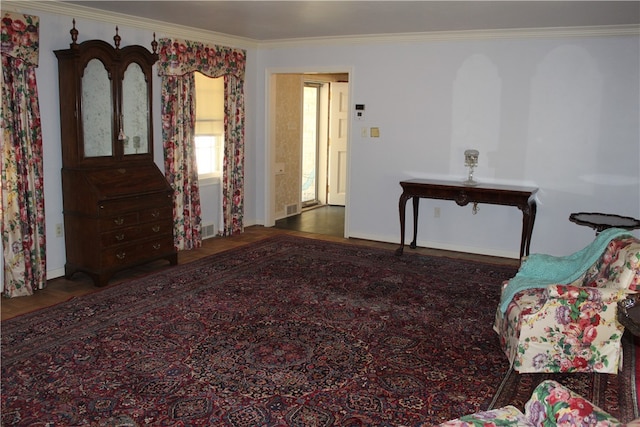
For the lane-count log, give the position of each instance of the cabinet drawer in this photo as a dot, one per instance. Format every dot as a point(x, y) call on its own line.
point(119, 221)
point(154, 248)
point(135, 252)
point(154, 229)
point(120, 255)
point(127, 235)
point(160, 212)
point(133, 204)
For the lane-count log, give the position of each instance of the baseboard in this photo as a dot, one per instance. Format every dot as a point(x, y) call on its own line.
point(52, 274)
point(442, 246)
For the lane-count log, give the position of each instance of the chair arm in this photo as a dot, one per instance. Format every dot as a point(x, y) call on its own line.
point(553, 404)
point(618, 267)
point(572, 293)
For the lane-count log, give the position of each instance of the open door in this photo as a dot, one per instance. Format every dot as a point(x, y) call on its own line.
point(338, 134)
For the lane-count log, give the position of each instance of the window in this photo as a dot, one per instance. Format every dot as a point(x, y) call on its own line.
point(209, 132)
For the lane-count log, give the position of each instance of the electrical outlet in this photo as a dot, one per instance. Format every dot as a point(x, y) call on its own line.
point(436, 212)
point(58, 230)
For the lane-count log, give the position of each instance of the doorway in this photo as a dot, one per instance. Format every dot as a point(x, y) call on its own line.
point(298, 184)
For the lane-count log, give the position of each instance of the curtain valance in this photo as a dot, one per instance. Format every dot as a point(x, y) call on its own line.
point(179, 57)
point(20, 37)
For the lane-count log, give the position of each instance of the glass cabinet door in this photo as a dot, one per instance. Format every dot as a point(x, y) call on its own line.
point(97, 116)
point(135, 111)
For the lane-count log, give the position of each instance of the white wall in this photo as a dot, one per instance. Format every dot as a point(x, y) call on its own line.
point(558, 113)
point(561, 114)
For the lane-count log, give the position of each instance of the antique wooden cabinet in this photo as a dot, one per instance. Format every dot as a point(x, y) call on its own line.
point(118, 206)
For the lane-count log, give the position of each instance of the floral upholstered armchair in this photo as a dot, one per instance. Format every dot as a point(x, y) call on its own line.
point(570, 325)
point(550, 404)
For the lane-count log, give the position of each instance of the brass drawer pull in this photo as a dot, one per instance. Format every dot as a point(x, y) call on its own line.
point(121, 255)
point(120, 237)
point(118, 221)
point(155, 214)
point(156, 246)
point(156, 228)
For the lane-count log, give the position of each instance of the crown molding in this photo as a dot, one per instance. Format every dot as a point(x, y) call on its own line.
point(517, 33)
point(173, 30)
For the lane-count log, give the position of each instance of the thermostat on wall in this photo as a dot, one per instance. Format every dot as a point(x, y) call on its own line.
point(359, 111)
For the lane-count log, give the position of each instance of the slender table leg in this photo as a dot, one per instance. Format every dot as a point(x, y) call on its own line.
point(528, 219)
point(414, 243)
point(402, 204)
point(525, 231)
point(533, 207)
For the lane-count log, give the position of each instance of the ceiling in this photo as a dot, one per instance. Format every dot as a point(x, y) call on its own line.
point(282, 20)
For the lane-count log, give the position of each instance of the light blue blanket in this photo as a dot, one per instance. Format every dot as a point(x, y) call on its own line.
point(540, 270)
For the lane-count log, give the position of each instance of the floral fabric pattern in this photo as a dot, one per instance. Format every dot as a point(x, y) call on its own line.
point(572, 327)
point(619, 273)
point(233, 163)
point(178, 59)
point(178, 124)
point(22, 207)
point(551, 404)
point(506, 416)
point(20, 38)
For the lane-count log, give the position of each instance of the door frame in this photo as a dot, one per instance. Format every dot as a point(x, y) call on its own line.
point(269, 158)
point(321, 139)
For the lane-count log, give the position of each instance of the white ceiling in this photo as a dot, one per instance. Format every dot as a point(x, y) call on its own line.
point(281, 20)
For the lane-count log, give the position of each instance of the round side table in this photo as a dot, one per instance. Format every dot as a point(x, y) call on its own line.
point(601, 221)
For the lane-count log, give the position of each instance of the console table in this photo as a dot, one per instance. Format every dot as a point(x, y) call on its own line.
point(495, 194)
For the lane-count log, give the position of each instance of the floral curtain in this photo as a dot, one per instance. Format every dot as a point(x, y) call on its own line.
point(179, 59)
point(178, 125)
point(22, 196)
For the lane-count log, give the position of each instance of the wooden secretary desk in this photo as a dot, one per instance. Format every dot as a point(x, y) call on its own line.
point(118, 206)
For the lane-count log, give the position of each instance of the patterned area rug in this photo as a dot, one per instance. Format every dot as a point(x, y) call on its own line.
point(288, 331)
point(616, 394)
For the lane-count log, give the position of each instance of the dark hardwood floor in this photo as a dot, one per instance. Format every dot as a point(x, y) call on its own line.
point(325, 219)
point(61, 289)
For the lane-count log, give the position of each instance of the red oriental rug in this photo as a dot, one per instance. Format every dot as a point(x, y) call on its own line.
point(285, 332)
